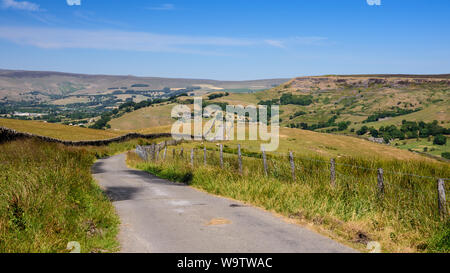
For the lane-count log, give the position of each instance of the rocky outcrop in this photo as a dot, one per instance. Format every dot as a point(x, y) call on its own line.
point(377, 140)
point(306, 84)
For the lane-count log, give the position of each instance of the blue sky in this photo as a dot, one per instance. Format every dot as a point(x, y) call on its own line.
point(226, 39)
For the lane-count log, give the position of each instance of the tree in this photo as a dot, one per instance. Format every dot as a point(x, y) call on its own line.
point(440, 140)
point(362, 131)
point(343, 125)
point(374, 132)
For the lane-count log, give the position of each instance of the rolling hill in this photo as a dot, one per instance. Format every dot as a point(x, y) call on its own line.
point(34, 85)
point(59, 131)
point(337, 104)
point(301, 141)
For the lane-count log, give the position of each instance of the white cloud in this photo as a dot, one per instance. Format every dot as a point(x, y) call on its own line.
point(163, 7)
point(307, 40)
point(294, 41)
point(20, 5)
point(59, 38)
point(74, 2)
point(275, 43)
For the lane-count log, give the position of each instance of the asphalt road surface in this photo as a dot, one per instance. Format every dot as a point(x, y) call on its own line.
point(158, 216)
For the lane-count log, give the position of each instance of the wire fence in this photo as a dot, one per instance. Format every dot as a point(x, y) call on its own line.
point(365, 178)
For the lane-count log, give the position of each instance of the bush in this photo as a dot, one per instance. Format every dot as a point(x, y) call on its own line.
point(297, 114)
point(362, 131)
point(343, 125)
point(440, 140)
point(446, 155)
point(374, 132)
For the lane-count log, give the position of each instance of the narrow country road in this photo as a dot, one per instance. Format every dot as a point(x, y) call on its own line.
point(159, 216)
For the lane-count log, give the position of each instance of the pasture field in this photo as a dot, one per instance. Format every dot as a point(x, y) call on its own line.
point(422, 145)
point(144, 118)
point(70, 100)
point(73, 133)
point(308, 143)
point(441, 113)
point(59, 131)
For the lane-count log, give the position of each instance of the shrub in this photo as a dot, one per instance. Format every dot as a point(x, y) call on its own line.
point(362, 131)
point(446, 155)
point(440, 140)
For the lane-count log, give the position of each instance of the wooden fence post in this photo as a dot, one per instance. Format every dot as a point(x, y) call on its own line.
point(157, 152)
point(264, 161)
point(181, 153)
point(240, 158)
point(153, 151)
point(380, 184)
point(333, 172)
point(192, 157)
point(221, 156)
point(442, 203)
point(173, 153)
point(165, 153)
point(204, 156)
point(291, 159)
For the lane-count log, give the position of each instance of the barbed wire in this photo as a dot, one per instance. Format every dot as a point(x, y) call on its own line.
point(314, 160)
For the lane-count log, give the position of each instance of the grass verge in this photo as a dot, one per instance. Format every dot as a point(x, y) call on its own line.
point(49, 198)
point(404, 219)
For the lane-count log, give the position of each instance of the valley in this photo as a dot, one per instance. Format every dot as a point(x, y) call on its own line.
point(374, 107)
point(399, 123)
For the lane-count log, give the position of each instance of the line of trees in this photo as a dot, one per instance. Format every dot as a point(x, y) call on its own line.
point(385, 114)
point(218, 95)
point(288, 98)
point(408, 130)
point(339, 126)
point(296, 99)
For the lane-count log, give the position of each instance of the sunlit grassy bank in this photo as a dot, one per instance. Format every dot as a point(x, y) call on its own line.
point(58, 131)
point(404, 219)
point(49, 198)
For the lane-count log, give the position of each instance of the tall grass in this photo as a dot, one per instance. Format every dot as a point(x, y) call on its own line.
point(404, 219)
point(48, 198)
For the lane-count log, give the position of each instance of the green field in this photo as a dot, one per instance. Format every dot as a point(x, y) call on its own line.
point(144, 118)
point(422, 145)
point(59, 131)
